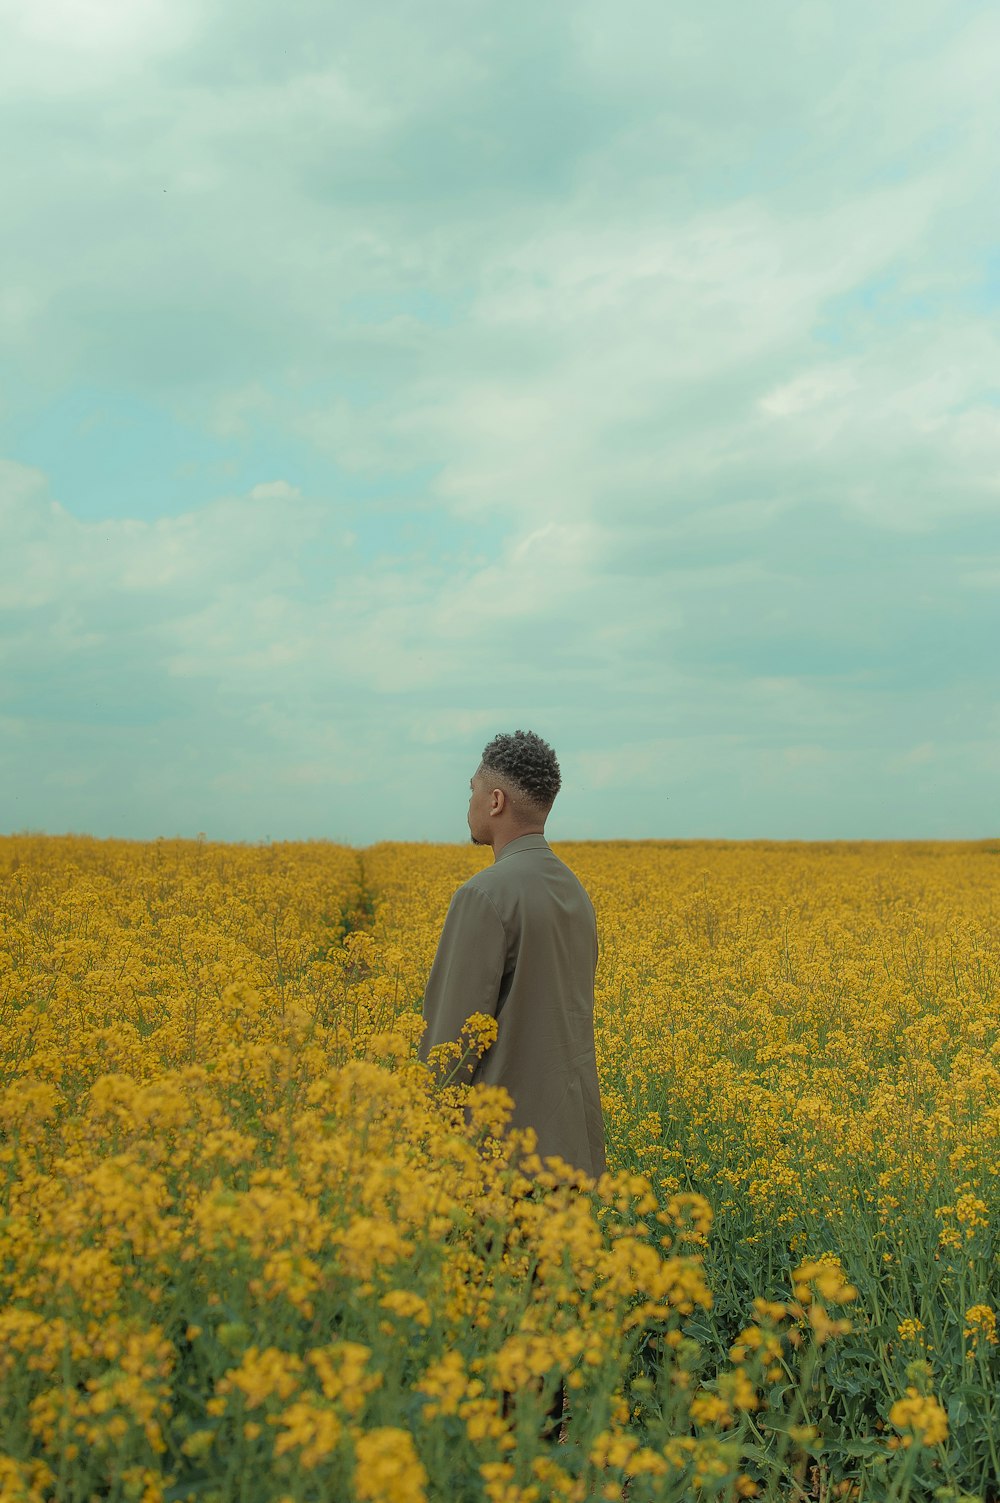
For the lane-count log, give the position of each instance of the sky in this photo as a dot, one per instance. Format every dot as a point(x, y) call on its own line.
point(378, 378)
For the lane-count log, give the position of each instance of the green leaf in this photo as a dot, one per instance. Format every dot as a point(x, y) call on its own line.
point(874, 1447)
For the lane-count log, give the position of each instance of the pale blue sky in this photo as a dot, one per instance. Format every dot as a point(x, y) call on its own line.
point(380, 377)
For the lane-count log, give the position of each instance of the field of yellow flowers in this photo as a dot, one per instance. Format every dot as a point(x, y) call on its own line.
point(249, 1251)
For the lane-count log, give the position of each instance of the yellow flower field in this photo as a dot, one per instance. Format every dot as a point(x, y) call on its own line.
point(248, 1251)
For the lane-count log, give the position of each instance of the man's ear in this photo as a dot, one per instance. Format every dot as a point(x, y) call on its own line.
point(498, 799)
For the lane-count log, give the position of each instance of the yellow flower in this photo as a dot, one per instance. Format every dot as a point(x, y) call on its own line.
point(920, 1417)
point(212, 1107)
point(823, 1328)
point(262, 1375)
point(910, 1330)
point(344, 1374)
point(408, 1304)
point(24, 1481)
point(611, 1449)
point(387, 1468)
point(312, 1429)
point(711, 1409)
point(823, 1277)
point(971, 1213)
point(980, 1326)
point(445, 1384)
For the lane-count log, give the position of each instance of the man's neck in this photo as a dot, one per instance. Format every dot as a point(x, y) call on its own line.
point(501, 841)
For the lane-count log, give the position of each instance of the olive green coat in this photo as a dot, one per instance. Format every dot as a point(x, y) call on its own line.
point(520, 944)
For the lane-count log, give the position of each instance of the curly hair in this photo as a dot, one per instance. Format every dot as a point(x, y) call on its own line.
point(528, 762)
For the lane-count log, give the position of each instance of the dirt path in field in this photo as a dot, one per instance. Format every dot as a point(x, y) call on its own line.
point(361, 915)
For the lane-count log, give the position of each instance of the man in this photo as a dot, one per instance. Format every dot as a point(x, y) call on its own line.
point(520, 944)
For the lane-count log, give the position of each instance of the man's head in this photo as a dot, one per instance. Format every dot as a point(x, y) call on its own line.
point(513, 789)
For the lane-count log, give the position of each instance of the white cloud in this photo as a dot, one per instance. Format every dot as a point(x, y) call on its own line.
point(196, 676)
point(62, 50)
point(53, 556)
point(817, 388)
point(805, 756)
point(604, 371)
point(670, 345)
point(275, 490)
point(915, 756)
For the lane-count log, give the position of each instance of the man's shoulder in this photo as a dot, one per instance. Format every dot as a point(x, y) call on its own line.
point(481, 887)
point(474, 903)
point(537, 870)
point(482, 883)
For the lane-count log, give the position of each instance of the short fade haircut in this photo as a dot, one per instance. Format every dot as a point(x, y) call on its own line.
point(526, 761)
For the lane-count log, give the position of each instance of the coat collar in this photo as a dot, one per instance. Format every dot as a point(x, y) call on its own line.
point(524, 843)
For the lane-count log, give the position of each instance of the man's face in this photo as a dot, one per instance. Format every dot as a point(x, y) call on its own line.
point(479, 804)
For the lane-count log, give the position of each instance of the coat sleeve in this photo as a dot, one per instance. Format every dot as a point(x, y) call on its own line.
point(468, 968)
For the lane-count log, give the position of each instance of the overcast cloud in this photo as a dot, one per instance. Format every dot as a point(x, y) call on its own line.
point(381, 377)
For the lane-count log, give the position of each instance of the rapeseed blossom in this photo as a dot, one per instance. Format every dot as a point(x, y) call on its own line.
point(387, 1468)
point(247, 1242)
point(920, 1417)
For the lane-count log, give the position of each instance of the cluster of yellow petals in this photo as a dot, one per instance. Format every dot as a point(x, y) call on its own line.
point(243, 1234)
point(980, 1329)
point(387, 1467)
point(920, 1417)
